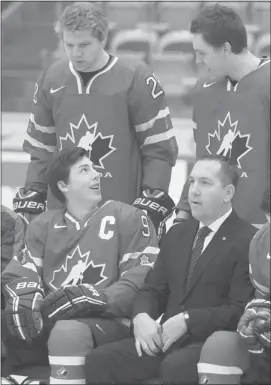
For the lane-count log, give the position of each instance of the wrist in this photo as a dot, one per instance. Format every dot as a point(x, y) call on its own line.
point(187, 321)
point(139, 317)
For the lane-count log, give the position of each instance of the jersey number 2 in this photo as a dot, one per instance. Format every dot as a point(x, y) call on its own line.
point(154, 82)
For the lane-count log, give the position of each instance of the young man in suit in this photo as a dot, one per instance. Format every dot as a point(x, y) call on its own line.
point(200, 282)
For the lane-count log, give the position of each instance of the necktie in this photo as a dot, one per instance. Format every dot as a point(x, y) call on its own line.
point(197, 250)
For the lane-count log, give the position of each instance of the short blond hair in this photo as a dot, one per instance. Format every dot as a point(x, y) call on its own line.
point(82, 16)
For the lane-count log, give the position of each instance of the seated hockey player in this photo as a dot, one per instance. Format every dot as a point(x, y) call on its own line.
point(82, 268)
point(228, 357)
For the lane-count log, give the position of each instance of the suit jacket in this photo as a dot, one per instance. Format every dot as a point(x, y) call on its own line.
point(219, 287)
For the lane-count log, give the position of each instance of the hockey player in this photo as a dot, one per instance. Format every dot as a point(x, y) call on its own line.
point(12, 243)
point(96, 98)
point(81, 270)
point(12, 235)
point(231, 106)
point(227, 356)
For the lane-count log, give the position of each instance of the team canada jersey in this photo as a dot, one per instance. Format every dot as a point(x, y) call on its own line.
point(121, 114)
point(259, 262)
point(113, 250)
point(234, 121)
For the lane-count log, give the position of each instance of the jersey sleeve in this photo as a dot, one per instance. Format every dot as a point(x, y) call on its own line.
point(153, 127)
point(12, 236)
point(40, 138)
point(138, 252)
point(259, 262)
point(28, 264)
point(183, 202)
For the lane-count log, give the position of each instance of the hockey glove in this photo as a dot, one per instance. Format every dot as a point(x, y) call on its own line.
point(262, 323)
point(158, 206)
point(22, 313)
point(73, 301)
point(28, 204)
point(254, 325)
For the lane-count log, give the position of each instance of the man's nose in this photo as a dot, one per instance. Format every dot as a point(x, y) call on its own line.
point(76, 51)
point(194, 189)
point(96, 174)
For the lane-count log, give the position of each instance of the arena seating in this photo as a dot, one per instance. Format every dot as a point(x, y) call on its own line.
point(30, 44)
point(134, 40)
point(263, 45)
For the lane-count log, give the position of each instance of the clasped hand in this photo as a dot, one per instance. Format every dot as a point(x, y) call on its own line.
point(152, 338)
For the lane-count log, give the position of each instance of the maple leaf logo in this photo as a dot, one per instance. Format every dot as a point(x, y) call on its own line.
point(72, 271)
point(99, 145)
point(228, 141)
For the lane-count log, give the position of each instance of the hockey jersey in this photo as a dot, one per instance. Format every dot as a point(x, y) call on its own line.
point(113, 250)
point(12, 235)
point(234, 121)
point(259, 262)
point(122, 113)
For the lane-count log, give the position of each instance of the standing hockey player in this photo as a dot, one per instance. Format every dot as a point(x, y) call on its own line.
point(82, 268)
point(92, 98)
point(231, 106)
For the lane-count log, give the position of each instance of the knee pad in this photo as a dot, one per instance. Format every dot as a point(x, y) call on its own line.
point(70, 338)
point(224, 357)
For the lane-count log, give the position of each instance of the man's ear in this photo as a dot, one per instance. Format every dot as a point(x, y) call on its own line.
point(62, 186)
point(229, 192)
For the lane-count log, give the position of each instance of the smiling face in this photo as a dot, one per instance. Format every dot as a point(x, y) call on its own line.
point(209, 197)
point(83, 184)
point(214, 60)
point(82, 49)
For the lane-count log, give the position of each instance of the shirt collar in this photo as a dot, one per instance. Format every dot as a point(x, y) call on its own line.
point(218, 222)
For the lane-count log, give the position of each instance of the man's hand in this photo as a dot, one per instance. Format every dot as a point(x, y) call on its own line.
point(22, 313)
point(29, 204)
point(73, 301)
point(147, 333)
point(158, 206)
point(173, 329)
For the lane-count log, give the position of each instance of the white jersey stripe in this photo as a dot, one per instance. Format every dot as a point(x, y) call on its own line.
point(159, 137)
point(218, 369)
point(147, 250)
point(263, 289)
point(146, 126)
point(65, 381)
point(36, 143)
point(30, 266)
point(72, 361)
point(38, 261)
point(45, 129)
